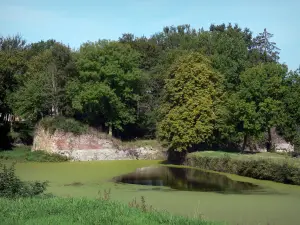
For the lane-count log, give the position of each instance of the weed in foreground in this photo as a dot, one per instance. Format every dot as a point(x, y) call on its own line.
point(106, 195)
point(141, 205)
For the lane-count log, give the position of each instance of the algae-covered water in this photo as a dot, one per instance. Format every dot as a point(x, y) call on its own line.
point(187, 179)
point(184, 191)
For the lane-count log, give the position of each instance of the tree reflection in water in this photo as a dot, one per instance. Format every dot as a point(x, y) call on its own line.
point(186, 179)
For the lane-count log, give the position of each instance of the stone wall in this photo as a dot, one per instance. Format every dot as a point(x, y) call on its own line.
point(280, 145)
point(278, 142)
point(88, 147)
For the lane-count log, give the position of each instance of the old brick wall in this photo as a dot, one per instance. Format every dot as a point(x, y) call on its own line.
point(87, 147)
point(43, 140)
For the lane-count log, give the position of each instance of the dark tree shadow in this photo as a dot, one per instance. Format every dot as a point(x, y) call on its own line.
point(5, 140)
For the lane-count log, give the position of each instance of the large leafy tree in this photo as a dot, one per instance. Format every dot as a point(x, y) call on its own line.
point(259, 102)
point(229, 49)
point(41, 89)
point(148, 49)
point(291, 128)
point(12, 63)
point(188, 109)
point(107, 89)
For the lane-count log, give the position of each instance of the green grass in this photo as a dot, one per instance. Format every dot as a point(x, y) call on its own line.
point(242, 156)
point(79, 211)
point(255, 156)
point(24, 154)
point(278, 205)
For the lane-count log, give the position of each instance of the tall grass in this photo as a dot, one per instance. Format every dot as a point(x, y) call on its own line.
point(83, 211)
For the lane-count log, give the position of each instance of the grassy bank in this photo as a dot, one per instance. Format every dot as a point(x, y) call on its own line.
point(264, 166)
point(82, 211)
point(24, 154)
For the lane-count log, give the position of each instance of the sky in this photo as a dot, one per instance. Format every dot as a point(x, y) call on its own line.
point(75, 22)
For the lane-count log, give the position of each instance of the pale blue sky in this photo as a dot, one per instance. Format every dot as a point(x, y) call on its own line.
point(74, 22)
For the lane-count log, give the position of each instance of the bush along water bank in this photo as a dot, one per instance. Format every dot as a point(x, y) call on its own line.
point(279, 170)
point(12, 187)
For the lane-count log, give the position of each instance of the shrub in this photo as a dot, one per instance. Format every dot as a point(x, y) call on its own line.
point(279, 170)
point(12, 187)
point(24, 153)
point(41, 156)
point(63, 124)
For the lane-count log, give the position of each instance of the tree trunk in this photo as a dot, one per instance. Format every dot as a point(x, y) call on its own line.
point(245, 142)
point(55, 110)
point(110, 130)
point(269, 141)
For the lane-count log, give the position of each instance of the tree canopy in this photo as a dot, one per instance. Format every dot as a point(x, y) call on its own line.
point(188, 107)
point(187, 87)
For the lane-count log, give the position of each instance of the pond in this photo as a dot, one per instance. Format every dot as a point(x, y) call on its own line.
point(186, 179)
point(234, 199)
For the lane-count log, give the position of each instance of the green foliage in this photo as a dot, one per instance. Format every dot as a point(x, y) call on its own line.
point(60, 123)
point(12, 61)
point(275, 169)
point(258, 104)
point(83, 211)
point(12, 187)
point(122, 86)
point(24, 154)
point(290, 129)
point(268, 51)
point(106, 89)
point(229, 52)
point(188, 106)
point(41, 90)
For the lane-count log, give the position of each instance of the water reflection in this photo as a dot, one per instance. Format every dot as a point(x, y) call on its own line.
point(186, 179)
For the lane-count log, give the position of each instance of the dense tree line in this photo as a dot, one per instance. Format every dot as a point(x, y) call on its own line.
point(189, 88)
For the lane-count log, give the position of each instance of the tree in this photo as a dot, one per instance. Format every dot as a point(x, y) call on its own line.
point(263, 49)
point(36, 48)
point(188, 107)
point(106, 92)
point(229, 50)
point(41, 89)
point(180, 37)
point(12, 63)
point(260, 98)
point(291, 128)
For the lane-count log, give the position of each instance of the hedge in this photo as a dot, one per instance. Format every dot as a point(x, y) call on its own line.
point(279, 170)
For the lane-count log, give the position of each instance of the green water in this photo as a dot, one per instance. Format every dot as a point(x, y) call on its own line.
point(187, 179)
point(274, 203)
